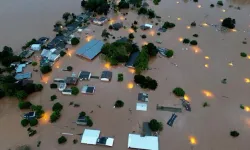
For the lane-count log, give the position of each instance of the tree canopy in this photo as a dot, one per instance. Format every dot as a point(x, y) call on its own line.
point(145, 82)
point(46, 69)
point(98, 6)
point(141, 62)
point(151, 49)
point(228, 23)
point(75, 90)
point(154, 125)
point(57, 107)
point(179, 91)
point(75, 41)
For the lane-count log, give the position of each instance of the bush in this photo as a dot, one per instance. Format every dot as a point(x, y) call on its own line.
point(195, 35)
point(143, 36)
point(75, 141)
point(21, 95)
point(123, 4)
point(119, 104)
point(158, 33)
point(131, 36)
point(33, 122)
point(205, 104)
point(75, 41)
point(168, 25)
point(45, 69)
point(34, 63)
point(38, 87)
point(195, 1)
point(234, 133)
point(142, 10)
point(243, 54)
point(156, 2)
point(186, 41)
point(24, 147)
point(179, 92)
point(24, 105)
point(193, 42)
point(220, 3)
point(53, 97)
point(89, 122)
point(193, 24)
point(154, 125)
point(151, 14)
point(169, 53)
point(75, 90)
point(151, 49)
point(135, 22)
point(69, 68)
point(24, 122)
point(82, 114)
point(212, 5)
point(120, 77)
point(110, 27)
point(145, 82)
point(62, 140)
point(62, 53)
point(55, 116)
point(38, 109)
point(228, 23)
point(2, 93)
point(53, 86)
point(57, 107)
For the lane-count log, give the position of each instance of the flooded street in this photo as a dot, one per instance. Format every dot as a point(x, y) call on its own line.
point(197, 69)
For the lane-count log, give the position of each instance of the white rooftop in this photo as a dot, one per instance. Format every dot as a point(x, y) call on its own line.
point(147, 142)
point(110, 142)
point(141, 106)
point(149, 25)
point(90, 136)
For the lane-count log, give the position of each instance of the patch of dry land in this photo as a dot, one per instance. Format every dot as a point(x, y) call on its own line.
point(199, 70)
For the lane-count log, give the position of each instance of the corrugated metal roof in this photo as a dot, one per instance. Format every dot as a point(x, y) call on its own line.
point(91, 49)
point(145, 142)
point(132, 59)
point(90, 136)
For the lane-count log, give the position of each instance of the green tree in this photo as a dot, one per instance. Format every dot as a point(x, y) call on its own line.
point(119, 104)
point(179, 92)
point(53, 97)
point(2, 94)
point(75, 41)
point(154, 125)
point(168, 25)
point(220, 3)
point(75, 90)
point(62, 140)
point(169, 53)
point(193, 42)
point(34, 63)
point(186, 41)
point(24, 105)
point(82, 114)
point(53, 85)
point(38, 87)
point(21, 95)
point(55, 116)
point(45, 69)
point(38, 109)
point(33, 122)
point(120, 77)
point(151, 49)
point(57, 107)
point(69, 68)
point(105, 33)
point(151, 13)
point(123, 4)
point(136, 3)
point(142, 10)
point(89, 122)
point(243, 54)
point(98, 6)
point(24, 147)
point(156, 2)
point(234, 133)
point(66, 16)
point(142, 60)
point(24, 122)
point(131, 36)
point(62, 53)
point(228, 23)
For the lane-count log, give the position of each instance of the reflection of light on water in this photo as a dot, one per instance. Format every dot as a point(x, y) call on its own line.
point(107, 65)
point(130, 85)
point(206, 65)
point(111, 21)
point(122, 18)
point(45, 79)
point(248, 56)
point(199, 6)
point(188, 27)
point(247, 108)
point(247, 80)
point(207, 93)
point(205, 24)
point(187, 98)
point(88, 38)
point(131, 30)
point(131, 70)
point(57, 66)
point(221, 20)
point(230, 64)
point(152, 33)
point(177, 2)
point(46, 117)
point(223, 10)
point(234, 30)
point(69, 54)
point(144, 43)
point(178, 18)
point(180, 39)
point(196, 49)
point(192, 140)
point(207, 57)
point(247, 121)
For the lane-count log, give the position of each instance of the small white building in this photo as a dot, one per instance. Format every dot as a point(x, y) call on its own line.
point(100, 21)
point(36, 47)
point(106, 141)
point(142, 106)
point(137, 141)
point(90, 136)
point(148, 25)
point(62, 86)
point(88, 89)
point(67, 92)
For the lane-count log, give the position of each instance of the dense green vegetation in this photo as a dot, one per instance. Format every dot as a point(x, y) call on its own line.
point(119, 104)
point(45, 69)
point(155, 125)
point(179, 92)
point(234, 133)
point(62, 140)
point(55, 116)
point(98, 6)
point(144, 11)
point(141, 62)
point(243, 54)
point(220, 3)
point(156, 2)
point(33, 122)
point(123, 4)
point(193, 42)
point(62, 53)
point(136, 3)
point(57, 107)
point(34, 63)
point(228, 23)
point(75, 41)
point(168, 25)
point(24, 122)
point(186, 41)
point(75, 90)
point(7, 56)
point(28, 44)
point(131, 36)
point(120, 77)
point(145, 82)
point(169, 53)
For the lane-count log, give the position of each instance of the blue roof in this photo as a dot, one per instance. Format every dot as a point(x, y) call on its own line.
point(132, 59)
point(91, 49)
point(21, 76)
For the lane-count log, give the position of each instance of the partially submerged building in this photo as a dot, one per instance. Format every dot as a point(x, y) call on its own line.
point(84, 75)
point(117, 26)
point(24, 82)
point(146, 131)
point(137, 141)
point(142, 106)
point(62, 86)
point(81, 120)
point(88, 89)
point(100, 21)
point(36, 47)
point(20, 67)
point(30, 115)
point(106, 141)
point(143, 97)
point(52, 54)
point(21, 76)
point(71, 80)
point(106, 76)
point(132, 58)
point(91, 49)
point(146, 26)
point(26, 53)
point(67, 92)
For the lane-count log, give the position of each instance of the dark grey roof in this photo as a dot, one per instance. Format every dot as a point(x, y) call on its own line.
point(117, 26)
point(42, 40)
point(25, 82)
point(107, 74)
point(90, 89)
point(143, 27)
point(123, 39)
point(71, 80)
point(84, 75)
point(102, 140)
point(132, 59)
point(186, 104)
point(91, 49)
point(146, 129)
point(143, 97)
point(21, 76)
point(82, 119)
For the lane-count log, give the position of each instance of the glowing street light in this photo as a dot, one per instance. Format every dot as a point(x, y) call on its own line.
point(206, 65)
point(234, 30)
point(205, 24)
point(221, 20)
point(179, 19)
point(207, 57)
point(223, 10)
point(199, 6)
point(248, 56)
point(130, 85)
point(192, 140)
point(107, 65)
point(180, 39)
point(188, 27)
point(247, 80)
point(231, 64)
point(187, 98)
point(131, 70)
point(177, 2)
point(207, 93)
point(247, 109)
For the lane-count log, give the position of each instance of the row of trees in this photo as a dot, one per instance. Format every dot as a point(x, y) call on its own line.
point(145, 82)
point(145, 11)
point(56, 114)
point(7, 56)
point(98, 6)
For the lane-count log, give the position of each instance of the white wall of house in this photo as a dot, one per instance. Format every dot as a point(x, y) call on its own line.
point(66, 93)
point(105, 79)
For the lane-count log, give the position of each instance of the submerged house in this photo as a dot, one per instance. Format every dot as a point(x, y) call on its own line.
point(143, 97)
point(106, 76)
point(106, 141)
point(88, 89)
point(71, 80)
point(100, 21)
point(136, 141)
point(117, 26)
point(82, 120)
point(20, 67)
point(26, 53)
point(67, 92)
point(146, 26)
point(30, 115)
point(84, 75)
point(36, 47)
point(132, 58)
point(90, 136)
point(91, 49)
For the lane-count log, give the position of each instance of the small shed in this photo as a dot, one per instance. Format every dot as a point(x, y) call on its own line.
point(142, 106)
point(106, 76)
point(107, 141)
point(81, 120)
point(88, 89)
point(143, 97)
point(36, 47)
point(90, 136)
point(30, 115)
point(84, 75)
point(71, 80)
point(67, 92)
point(117, 26)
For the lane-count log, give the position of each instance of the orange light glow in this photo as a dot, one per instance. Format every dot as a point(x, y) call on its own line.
point(144, 43)
point(131, 30)
point(178, 18)
point(187, 98)
point(192, 140)
point(196, 49)
point(206, 65)
point(152, 33)
point(131, 70)
point(247, 80)
point(130, 85)
point(234, 30)
point(107, 65)
point(69, 54)
point(207, 57)
point(230, 64)
point(180, 39)
point(247, 121)
point(199, 6)
point(247, 108)
point(111, 21)
point(205, 24)
point(45, 118)
point(207, 93)
point(88, 38)
point(57, 66)
point(45, 79)
point(248, 56)
point(122, 18)
point(188, 27)
point(223, 10)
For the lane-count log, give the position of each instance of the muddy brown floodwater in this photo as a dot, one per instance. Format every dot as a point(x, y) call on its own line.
point(199, 71)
